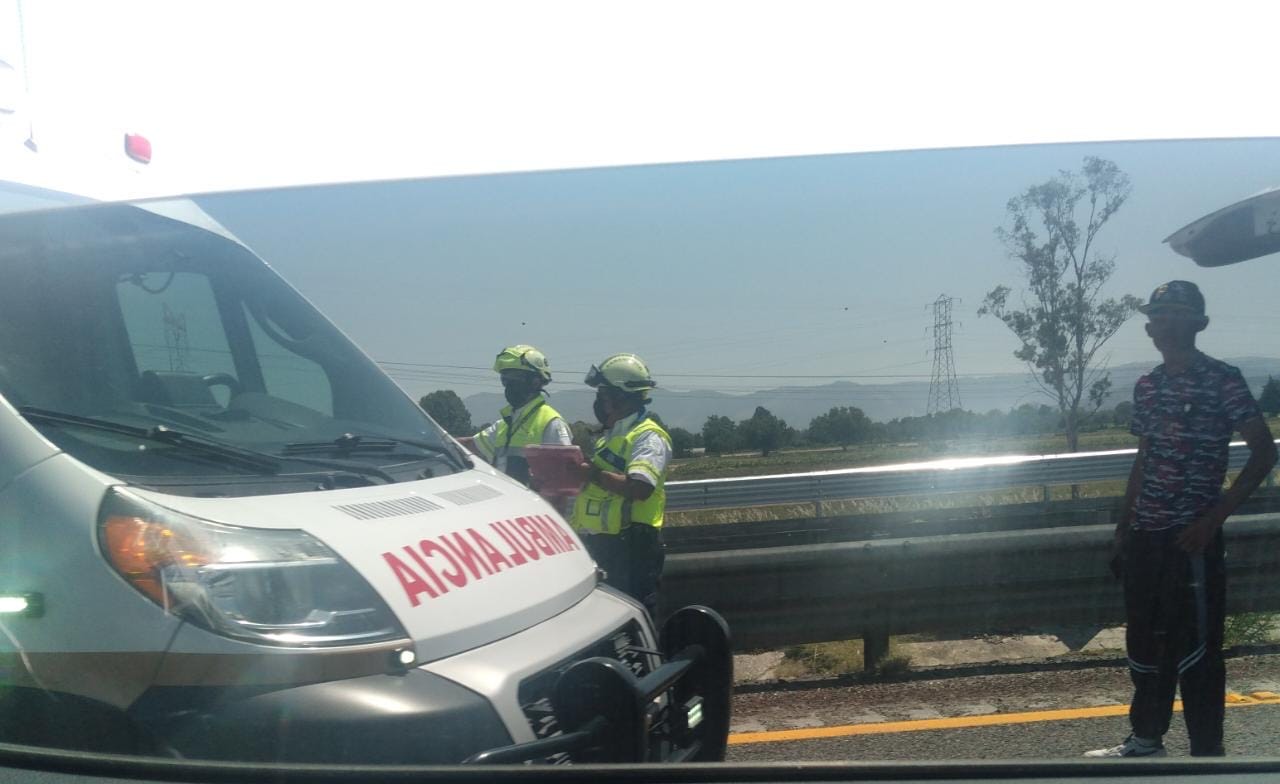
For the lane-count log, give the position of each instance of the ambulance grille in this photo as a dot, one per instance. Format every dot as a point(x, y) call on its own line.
point(536, 692)
point(469, 495)
point(395, 507)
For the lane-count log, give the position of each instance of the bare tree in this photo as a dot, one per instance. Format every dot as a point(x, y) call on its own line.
point(1064, 320)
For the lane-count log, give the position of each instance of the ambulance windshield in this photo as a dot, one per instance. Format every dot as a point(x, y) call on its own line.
point(158, 351)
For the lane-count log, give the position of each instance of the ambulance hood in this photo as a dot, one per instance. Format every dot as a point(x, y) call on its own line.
point(461, 560)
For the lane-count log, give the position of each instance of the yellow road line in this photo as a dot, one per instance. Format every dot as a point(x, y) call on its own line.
point(959, 722)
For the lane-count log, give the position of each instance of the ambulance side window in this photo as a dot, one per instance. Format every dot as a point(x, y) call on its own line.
point(175, 331)
point(287, 375)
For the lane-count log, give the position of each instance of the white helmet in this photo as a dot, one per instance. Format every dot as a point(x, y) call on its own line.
point(526, 358)
point(625, 372)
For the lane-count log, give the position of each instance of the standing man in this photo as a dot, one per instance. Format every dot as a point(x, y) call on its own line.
point(1170, 538)
point(619, 512)
point(527, 418)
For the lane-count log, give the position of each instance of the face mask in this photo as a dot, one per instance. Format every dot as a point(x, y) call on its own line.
point(601, 412)
point(518, 393)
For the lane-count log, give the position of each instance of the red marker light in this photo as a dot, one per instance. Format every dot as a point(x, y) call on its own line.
point(137, 147)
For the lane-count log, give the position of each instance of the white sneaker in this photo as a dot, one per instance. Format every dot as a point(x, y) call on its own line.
point(1132, 747)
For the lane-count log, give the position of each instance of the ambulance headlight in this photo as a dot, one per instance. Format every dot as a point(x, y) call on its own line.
point(275, 587)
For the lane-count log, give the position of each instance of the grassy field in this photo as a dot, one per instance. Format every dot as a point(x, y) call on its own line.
point(834, 659)
point(801, 460)
point(863, 506)
point(817, 459)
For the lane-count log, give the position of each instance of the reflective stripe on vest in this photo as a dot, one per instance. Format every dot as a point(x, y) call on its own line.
point(599, 511)
point(510, 438)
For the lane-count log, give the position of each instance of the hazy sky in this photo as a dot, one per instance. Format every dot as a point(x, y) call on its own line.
point(795, 268)
point(775, 272)
point(239, 93)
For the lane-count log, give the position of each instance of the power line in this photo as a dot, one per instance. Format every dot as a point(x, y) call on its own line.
point(413, 367)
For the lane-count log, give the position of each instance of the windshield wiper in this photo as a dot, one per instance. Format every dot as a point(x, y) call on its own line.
point(345, 444)
point(191, 443)
point(203, 446)
point(349, 444)
point(362, 469)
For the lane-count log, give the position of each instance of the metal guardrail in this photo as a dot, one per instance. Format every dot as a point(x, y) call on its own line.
point(949, 583)
point(916, 523)
point(967, 474)
point(963, 583)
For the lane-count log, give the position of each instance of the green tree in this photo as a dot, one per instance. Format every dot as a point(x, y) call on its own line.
point(448, 410)
point(764, 431)
point(720, 434)
point(843, 425)
point(1123, 413)
point(1269, 400)
point(681, 441)
point(1053, 232)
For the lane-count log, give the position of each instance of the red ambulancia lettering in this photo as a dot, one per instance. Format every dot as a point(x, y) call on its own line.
point(466, 554)
point(521, 540)
point(471, 553)
point(426, 569)
point(496, 559)
point(410, 581)
point(556, 532)
point(547, 534)
point(454, 573)
point(539, 541)
point(517, 558)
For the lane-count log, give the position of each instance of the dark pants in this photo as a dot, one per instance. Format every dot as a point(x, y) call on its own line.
point(632, 561)
point(1175, 604)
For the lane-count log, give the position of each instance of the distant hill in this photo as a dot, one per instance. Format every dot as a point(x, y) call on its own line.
point(881, 402)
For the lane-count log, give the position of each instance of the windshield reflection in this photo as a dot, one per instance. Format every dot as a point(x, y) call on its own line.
point(902, 456)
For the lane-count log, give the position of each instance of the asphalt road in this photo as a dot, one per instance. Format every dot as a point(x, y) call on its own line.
point(932, 720)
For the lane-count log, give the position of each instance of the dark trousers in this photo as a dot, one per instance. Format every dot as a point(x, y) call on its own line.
point(632, 561)
point(1175, 604)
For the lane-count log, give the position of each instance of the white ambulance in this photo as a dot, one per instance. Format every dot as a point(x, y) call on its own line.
point(225, 533)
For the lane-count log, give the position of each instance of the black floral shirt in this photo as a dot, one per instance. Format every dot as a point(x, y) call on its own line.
point(1188, 419)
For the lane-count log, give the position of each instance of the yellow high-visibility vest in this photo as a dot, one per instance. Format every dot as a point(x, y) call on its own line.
point(599, 511)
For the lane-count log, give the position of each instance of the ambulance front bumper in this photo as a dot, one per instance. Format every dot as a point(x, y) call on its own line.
point(588, 685)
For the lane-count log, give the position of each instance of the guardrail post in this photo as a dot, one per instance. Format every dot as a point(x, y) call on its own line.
point(875, 646)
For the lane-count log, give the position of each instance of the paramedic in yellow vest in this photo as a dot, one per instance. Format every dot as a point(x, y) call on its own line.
point(618, 513)
point(527, 419)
